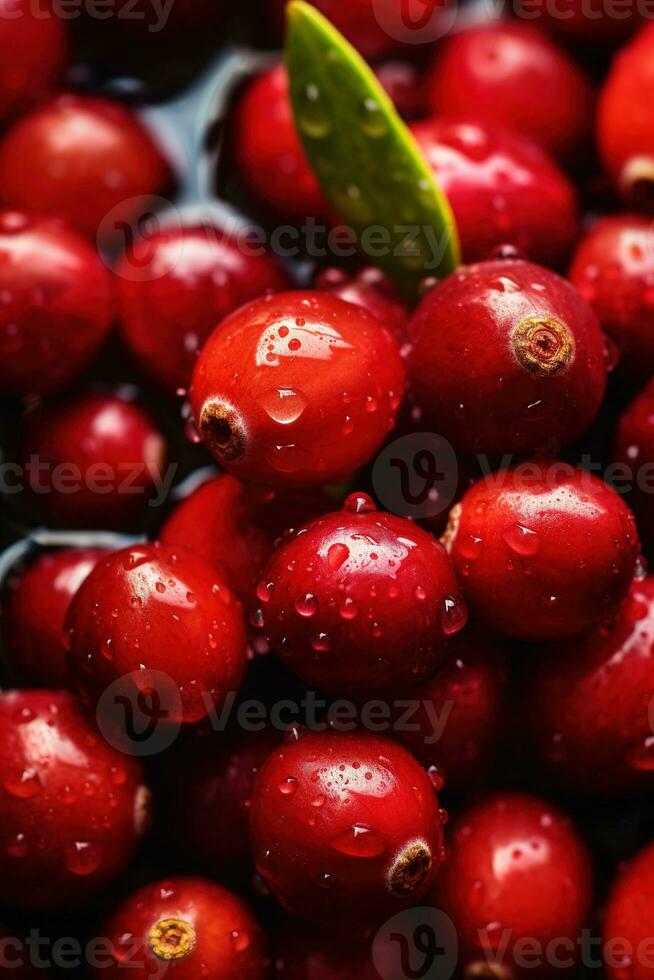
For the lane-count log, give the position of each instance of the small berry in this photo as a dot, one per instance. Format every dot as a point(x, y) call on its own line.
point(72, 808)
point(627, 931)
point(345, 828)
point(93, 461)
point(360, 601)
point(176, 285)
point(297, 389)
point(370, 289)
point(34, 45)
point(56, 304)
point(543, 550)
point(634, 449)
point(139, 608)
point(34, 610)
point(516, 872)
point(190, 925)
point(502, 188)
point(507, 357)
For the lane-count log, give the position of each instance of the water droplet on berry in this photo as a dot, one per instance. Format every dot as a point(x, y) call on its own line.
point(454, 615)
point(83, 858)
point(359, 841)
point(521, 540)
point(306, 605)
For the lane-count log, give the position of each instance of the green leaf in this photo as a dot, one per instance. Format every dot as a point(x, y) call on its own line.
point(366, 160)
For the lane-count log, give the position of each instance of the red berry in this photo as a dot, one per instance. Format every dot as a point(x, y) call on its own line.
point(34, 609)
point(175, 286)
point(517, 886)
point(57, 304)
point(361, 602)
point(634, 449)
point(306, 952)
point(370, 289)
point(345, 828)
point(513, 74)
point(268, 151)
point(72, 808)
point(139, 609)
point(624, 130)
point(34, 45)
point(613, 268)
point(627, 932)
point(507, 357)
point(93, 461)
point(543, 550)
point(297, 389)
point(192, 925)
point(79, 158)
point(588, 702)
point(502, 188)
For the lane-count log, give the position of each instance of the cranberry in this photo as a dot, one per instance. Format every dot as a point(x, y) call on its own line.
point(543, 550)
point(634, 449)
point(507, 357)
point(71, 809)
point(627, 931)
point(194, 926)
point(624, 133)
point(34, 45)
point(93, 461)
point(268, 151)
point(57, 304)
point(305, 952)
point(34, 609)
point(79, 158)
point(139, 608)
point(613, 268)
point(297, 389)
point(516, 873)
point(370, 289)
point(588, 701)
point(175, 286)
point(345, 828)
point(513, 74)
point(502, 188)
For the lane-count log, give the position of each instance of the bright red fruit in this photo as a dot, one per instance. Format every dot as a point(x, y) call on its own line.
point(192, 925)
point(154, 608)
point(513, 74)
point(361, 602)
point(72, 808)
point(34, 45)
point(346, 828)
point(370, 289)
point(507, 357)
point(502, 188)
point(634, 448)
point(175, 286)
point(57, 304)
point(516, 873)
point(93, 461)
point(78, 157)
point(588, 702)
point(613, 268)
point(268, 150)
point(543, 550)
point(624, 121)
point(297, 389)
point(34, 609)
point(627, 932)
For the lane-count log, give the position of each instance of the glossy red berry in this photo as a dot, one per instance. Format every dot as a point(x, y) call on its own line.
point(372, 290)
point(94, 461)
point(175, 286)
point(345, 828)
point(627, 931)
point(79, 158)
point(302, 951)
point(588, 702)
point(190, 925)
point(297, 389)
point(543, 550)
point(72, 808)
point(613, 269)
point(34, 45)
point(361, 602)
point(634, 449)
point(57, 304)
point(511, 73)
point(624, 131)
point(502, 188)
point(516, 872)
point(139, 609)
point(506, 357)
point(34, 609)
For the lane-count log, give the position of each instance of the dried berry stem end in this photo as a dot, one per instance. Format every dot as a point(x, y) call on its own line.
point(543, 345)
point(410, 868)
point(172, 939)
point(222, 430)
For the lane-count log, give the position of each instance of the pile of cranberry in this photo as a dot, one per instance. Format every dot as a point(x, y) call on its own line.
point(241, 692)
